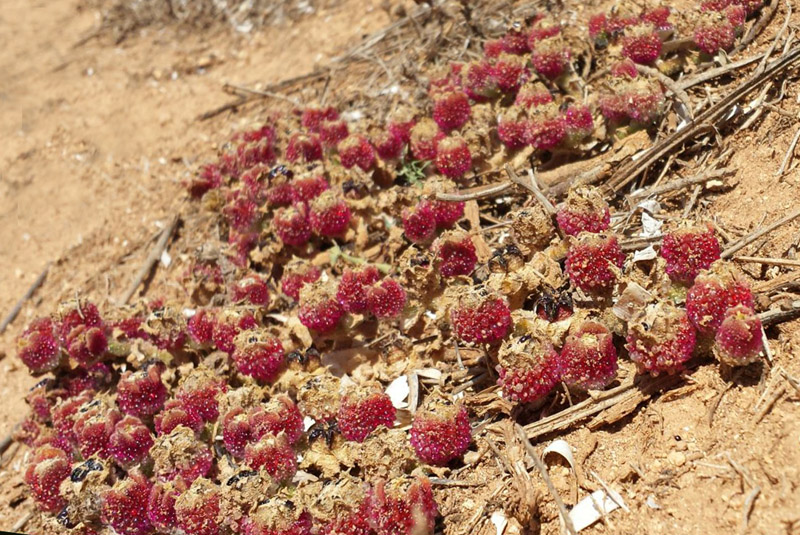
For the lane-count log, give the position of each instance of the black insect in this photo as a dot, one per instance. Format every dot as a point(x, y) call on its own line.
point(323, 429)
point(242, 474)
point(302, 359)
point(80, 472)
point(280, 170)
point(63, 519)
point(554, 306)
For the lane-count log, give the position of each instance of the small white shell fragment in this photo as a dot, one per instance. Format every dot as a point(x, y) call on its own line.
point(308, 422)
point(562, 448)
point(188, 312)
point(648, 253)
point(650, 226)
point(398, 392)
point(500, 521)
point(651, 502)
point(166, 259)
point(430, 373)
point(591, 509)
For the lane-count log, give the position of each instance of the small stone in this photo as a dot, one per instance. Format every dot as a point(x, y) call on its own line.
point(676, 458)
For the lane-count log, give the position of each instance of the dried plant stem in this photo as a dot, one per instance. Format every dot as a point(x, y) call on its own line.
point(769, 261)
point(716, 72)
point(531, 186)
point(680, 184)
point(623, 399)
point(773, 317)
point(789, 153)
point(236, 89)
point(747, 240)
point(703, 122)
point(473, 194)
point(22, 521)
point(152, 258)
point(562, 509)
point(12, 315)
point(670, 84)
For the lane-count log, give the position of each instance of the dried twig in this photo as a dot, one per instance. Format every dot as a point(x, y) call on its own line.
point(710, 74)
point(531, 186)
point(750, 238)
point(476, 193)
point(704, 121)
point(670, 84)
point(623, 399)
point(773, 317)
point(680, 184)
point(789, 153)
point(787, 262)
point(562, 509)
point(152, 258)
point(11, 316)
point(22, 521)
point(237, 89)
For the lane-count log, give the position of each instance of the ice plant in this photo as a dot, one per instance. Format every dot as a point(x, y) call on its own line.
point(38, 346)
point(362, 411)
point(593, 261)
point(130, 441)
point(305, 147)
point(551, 57)
point(739, 339)
point(297, 273)
point(402, 506)
point(453, 158)
point(689, 250)
point(122, 505)
point(588, 360)
point(481, 319)
point(451, 110)
point(424, 137)
point(251, 289)
point(292, 225)
point(641, 43)
point(528, 367)
point(585, 210)
point(197, 509)
point(440, 431)
point(661, 340)
point(274, 454)
point(49, 466)
point(713, 293)
point(455, 253)
point(141, 393)
point(257, 354)
point(329, 215)
point(386, 299)
point(419, 223)
point(319, 309)
point(356, 149)
point(545, 128)
point(352, 290)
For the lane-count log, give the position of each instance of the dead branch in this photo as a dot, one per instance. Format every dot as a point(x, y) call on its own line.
point(789, 153)
point(531, 186)
point(680, 184)
point(750, 238)
point(704, 121)
point(773, 317)
point(152, 258)
point(12, 315)
point(628, 396)
point(769, 261)
point(237, 89)
point(670, 84)
point(562, 509)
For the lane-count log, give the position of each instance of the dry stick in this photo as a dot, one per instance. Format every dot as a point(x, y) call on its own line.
point(680, 184)
point(769, 261)
point(531, 186)
point(475, 193)
point(633, 168)
point(692, 200)
point(789, 153)
point(716, 72)
point(670, 84)
point(152, 258)
point(640, 389)
point(22, 521)
point(747, 240)
point(772, 317)
point(562, 510)
point(233, 88)
point(18, 306)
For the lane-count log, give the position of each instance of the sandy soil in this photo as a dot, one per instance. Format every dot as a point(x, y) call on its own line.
point(98, 137)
